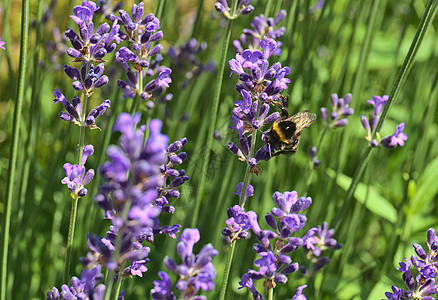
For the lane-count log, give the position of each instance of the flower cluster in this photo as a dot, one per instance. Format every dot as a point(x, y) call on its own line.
point(277, 243)
point(87, 287)
point(196, 271)
point(185, 59)
point(371, 122)
point(76, 178)
point(261, 27)
point(239, 221)
point(73, 109)
point(88, 45)
point(87, 81)
point(177, 177)
point(426, 265)
point(141, 32)
point(133, 179)
point(243, 7)
point(321, 240)
point(340, 110)
point(261, 87)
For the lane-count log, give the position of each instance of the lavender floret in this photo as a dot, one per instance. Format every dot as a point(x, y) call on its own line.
point(340, 110)
point(243, 8)
point(261, 27)
point(196, 271)
point(370, 125)
point(76, 178)
point(88, 46)
point(425, 265)
point(87, 287)
point(73, 109)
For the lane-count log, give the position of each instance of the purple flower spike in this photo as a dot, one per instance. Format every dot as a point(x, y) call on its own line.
point(137, 268)
point(170, 190)
point(97, 112)
point(243, 8)
point(423, 286)
point(378, 103)
point(340, 110)
point(276, 244)
point(261, 27)
point(397, 138)
point(371, 122)
point(133, 183)
point(247, 282)
point(196, 271)
point(76, 178)
point(162, 290)
point(248, 193)
point(143, 58)
point(87, 46)
point(87, 287)
point(239, 222)
point(84, 12)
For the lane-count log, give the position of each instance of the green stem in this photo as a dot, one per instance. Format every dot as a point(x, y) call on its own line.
point(213, 116)
point(426, 21)
point(227, 271)
point(198, 18)
point(70, 236)
point(137, 100)
point(247, 172)
point(82, 129)
point(118, 287)
point(268, 9)
point(14, 142)
point(365, 49)
point(75, 198)
point(312, 170)
point(160, 9)
point(271, 294)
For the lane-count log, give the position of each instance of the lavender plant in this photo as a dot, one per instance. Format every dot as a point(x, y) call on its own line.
point(425, 265)
point(133, 196)
point(142, 201)
point(141, 58)
point(340, 110)
point(278, 243)
point(370, 125)
point(260, 88)
point(87, 47)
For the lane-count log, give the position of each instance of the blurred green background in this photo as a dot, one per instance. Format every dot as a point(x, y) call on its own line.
point(347, 46)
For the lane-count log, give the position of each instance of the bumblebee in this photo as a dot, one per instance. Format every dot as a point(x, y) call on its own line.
point(285, 133)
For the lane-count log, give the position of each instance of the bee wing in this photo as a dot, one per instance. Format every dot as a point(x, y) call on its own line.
point(303, 119)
